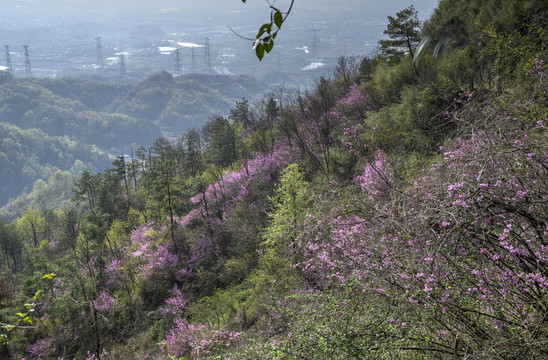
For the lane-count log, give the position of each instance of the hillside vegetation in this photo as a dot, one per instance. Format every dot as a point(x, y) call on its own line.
point(396, 211)
point(107, 116)
point(29, 155)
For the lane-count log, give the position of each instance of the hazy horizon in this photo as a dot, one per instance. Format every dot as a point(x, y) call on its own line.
point(97, 7)
point(61, 34)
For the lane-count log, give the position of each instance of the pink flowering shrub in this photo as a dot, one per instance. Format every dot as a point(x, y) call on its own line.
point(196, 341)
point(355, 104)
point(464, 246)
point(218, 198)
point(377, 177)
point(174, 304)
point(113, 271)
point(41, 348)
point(91, 356)
point(105, 302)
point(148, 253)
point(351, 112)
point(212, 221)
point(52, 345)
point(537, 68)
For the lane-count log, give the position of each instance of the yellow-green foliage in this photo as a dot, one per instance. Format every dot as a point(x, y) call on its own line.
point(388, 81)
point(119, 230)
point(289, 205)
point(237, 305)
point(31, 226)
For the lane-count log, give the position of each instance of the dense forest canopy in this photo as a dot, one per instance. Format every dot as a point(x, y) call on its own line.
point(397, 210)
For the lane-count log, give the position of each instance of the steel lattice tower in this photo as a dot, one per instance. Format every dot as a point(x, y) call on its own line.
point(207, 60)
point(123, 70)
point(28, 69)
point(8, 60)
point(193, 60)
point(315, 43)
point(100, 63)
point(178, 62)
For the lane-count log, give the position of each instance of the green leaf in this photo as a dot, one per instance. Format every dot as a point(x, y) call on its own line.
point(278, 19)
point(259, 50)
point(268, 45)
point(243, 1)
point(264, 28)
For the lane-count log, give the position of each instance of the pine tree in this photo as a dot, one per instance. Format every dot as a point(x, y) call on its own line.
point(403, 33)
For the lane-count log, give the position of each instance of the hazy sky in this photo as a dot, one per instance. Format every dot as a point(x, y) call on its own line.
point(206, 5)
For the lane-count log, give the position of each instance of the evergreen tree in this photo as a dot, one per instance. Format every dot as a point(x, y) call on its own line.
point(403, 33)
point(221, 136)
point(240, 115)
point(193, 146)
point(10, 244)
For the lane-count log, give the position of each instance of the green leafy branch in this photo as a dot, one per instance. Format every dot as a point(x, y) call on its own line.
point(264, 40)
point(24, 320)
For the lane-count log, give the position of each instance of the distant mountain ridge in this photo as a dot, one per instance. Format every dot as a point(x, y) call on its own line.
point(82, 113)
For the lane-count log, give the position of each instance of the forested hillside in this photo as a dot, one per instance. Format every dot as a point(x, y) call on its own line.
point(29, 155)
point(396, 211)
point(108, 116)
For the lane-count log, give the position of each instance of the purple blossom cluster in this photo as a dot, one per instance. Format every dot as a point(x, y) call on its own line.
point(8, 206)
point(537, 68)
point(104, 302)
point(48, 347)
point(351, 112)
point(219, 198)
point(377, 177)
point(174, 304)
point(149, 252)
point(197, 341)
point(42, 348)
